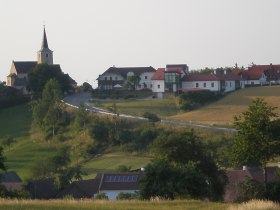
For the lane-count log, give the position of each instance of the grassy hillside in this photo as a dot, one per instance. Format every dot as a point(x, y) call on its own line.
point(222, 111)
point(163, 108)
point(109, 162)
point(15, 122)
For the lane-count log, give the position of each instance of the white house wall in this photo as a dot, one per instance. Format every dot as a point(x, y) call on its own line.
point(207, 85)
point(158, 86)
point(230, 86)
point(146, 78)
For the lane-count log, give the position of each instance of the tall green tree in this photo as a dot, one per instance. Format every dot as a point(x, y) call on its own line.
point(255, 142)
point(186, 151)
point(49, 112)
point(2, 160)
point(42, 73)
point(132, 82)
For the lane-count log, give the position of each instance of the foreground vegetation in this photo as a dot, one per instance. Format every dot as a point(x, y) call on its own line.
point(107, 205)
point(133, 205)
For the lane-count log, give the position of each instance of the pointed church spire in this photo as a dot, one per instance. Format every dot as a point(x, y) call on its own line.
point(44, 41)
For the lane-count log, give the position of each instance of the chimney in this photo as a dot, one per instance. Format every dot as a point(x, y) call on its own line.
point(225, 72)
point(215, 72)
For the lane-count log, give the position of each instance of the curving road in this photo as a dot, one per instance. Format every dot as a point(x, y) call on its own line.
point(76, 99)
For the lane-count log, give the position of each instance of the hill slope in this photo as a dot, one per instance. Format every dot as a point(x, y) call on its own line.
point(222, 111)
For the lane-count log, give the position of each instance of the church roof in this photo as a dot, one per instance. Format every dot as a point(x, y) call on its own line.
point(44, 41)
point(23, 67)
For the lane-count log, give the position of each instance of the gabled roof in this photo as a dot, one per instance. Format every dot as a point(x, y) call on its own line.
point(211, 77)
point(23, 67)
point(44, 40)
point(120, 181)
point(42, 188)
point(159, 74)
point(124, 70)
point(81, 189)
point(180, 67)
point(9, 177)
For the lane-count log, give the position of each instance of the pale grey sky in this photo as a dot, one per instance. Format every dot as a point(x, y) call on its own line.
point(89, 36)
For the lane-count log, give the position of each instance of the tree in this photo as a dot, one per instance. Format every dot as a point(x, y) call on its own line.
point(8, 141)
point(132, 82)
point(86, 87)
point(2, 160)
point(42, 73)
point(49, 112)
point(186, 151)
point(82, 118)
point(169, 180)
point(255, 142)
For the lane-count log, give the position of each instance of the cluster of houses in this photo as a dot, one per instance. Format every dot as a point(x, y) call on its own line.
point(177, 77)
point(126, 182)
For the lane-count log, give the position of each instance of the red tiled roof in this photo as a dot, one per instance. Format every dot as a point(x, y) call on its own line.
point(175, 69)
point(159, 74)
point(255, 72)
point(211, 77)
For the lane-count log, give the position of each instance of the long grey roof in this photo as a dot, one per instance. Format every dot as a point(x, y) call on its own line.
point(124, 70)
point(9, 177)
point(23, 67)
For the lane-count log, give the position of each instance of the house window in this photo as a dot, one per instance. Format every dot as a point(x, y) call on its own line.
point(230, 84)
point(105, 78)
point(146, 77)
point(196, 85)
point(252, 83)
point(151, 85)
point(116, 78)
point(204, 84)
point(47, 55)
point(212, 84)
point(158, 86)
point(111, 78)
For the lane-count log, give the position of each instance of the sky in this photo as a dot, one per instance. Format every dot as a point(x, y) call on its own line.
point(89, 36)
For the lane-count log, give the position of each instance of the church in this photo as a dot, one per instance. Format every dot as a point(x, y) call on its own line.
point(19, 70)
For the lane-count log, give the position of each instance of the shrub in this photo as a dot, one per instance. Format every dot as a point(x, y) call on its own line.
point(151, 117)
point(101, 196)
point(128, 196)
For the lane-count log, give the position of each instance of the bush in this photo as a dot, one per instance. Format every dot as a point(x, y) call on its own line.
point(101, 196)
point(128, 196)
point(151, 117)
point(192, 100)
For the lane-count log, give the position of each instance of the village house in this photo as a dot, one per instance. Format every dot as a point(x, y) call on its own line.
point(19, 70)
point(115, 77)
point(11, 181)
point(219, 82)
point(236, 176)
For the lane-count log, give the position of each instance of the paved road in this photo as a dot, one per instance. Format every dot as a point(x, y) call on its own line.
point(76, 99)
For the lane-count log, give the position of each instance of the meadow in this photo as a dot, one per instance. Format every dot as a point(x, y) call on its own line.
point(109, 205)
point(223, 111)
point(132, 205)
point(161, 107)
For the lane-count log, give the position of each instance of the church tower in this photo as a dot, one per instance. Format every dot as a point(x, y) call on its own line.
point(45, 55)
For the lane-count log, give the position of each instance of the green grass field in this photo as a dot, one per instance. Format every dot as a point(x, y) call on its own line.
point(109, 162)
point(107, 205)
point(162, 108)
point(15, 122)
point(222, 111)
